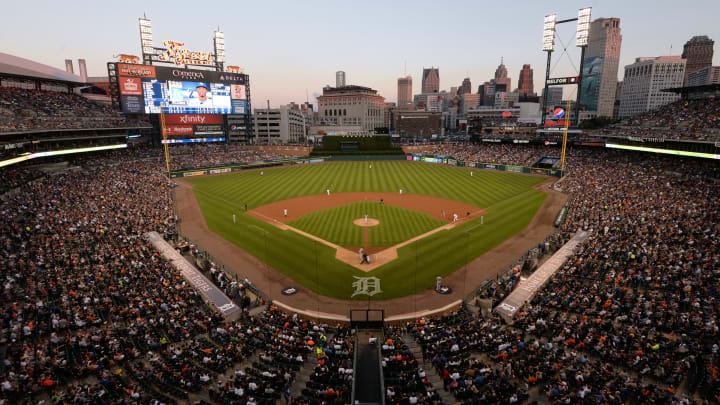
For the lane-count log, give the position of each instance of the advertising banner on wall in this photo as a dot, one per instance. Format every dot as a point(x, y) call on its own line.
point(131, 86)
point(591, 75)
point(193, 119)
point(178, 130)
point(132, 104)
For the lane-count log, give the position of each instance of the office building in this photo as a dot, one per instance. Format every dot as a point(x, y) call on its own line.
point(340, 79)
point(465, 88)
point(501, 78)
point(645, 81)
point(351, 106)
point(404, 96)
point(555, 96)
point(600, 67)
point(704, 76)
point(280, 125)
point(525, 81)
point(698, 54)
point(430, 80)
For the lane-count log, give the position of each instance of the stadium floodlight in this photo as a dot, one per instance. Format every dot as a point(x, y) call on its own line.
point(146, 36)
point(219, 47)
point(583, 27)
point(549, 32)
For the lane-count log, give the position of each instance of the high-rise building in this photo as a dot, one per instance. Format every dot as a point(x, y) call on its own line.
point(645, 81)
point(698, 54)
point(466, 87)
point(431, 80)
point(83, 70)
point(501, 77)
point(525, 81)
point(340, 79)
point(69, 66)
point(600, 68)
point(388, 111)
point(404, 96)
point(352, 106)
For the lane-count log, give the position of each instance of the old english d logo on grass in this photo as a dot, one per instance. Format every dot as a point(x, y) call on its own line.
point(366, 286)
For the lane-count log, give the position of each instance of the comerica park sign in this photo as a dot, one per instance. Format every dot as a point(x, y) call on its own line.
point(559, 81)
point(174, 53)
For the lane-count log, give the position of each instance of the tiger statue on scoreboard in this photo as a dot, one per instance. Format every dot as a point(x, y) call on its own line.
point(125, 58)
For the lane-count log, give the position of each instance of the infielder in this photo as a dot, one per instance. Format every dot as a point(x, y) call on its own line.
point(285, 212)
point(328, 191)
point(455, 217)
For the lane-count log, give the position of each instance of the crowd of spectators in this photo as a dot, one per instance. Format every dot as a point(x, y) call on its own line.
point(683, 119)
point(206, 155)
point(494, 153)
point(91, 313)
point(25, 109)
point(631, 317)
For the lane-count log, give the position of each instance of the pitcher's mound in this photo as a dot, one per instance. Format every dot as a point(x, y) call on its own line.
point(370, 222)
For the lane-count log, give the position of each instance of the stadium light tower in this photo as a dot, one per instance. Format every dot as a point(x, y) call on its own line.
point(146, 42)
point(581, 41)
point(219, 44)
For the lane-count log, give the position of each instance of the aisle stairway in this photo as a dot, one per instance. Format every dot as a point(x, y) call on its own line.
point(430, 373)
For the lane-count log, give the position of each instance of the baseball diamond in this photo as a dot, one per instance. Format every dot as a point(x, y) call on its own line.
point(507, 203)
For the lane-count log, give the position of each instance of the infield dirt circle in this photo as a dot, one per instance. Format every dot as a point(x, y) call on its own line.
point(366, 223)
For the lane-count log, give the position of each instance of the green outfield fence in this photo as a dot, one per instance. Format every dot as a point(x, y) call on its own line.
point(201, 171)
point(449, 160)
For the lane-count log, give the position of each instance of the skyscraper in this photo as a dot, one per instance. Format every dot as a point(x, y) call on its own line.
point(600, 68)
point(466, 87)
point(69, 66)
point(339, 78)
point(525, 81)
point(501, 77)
point(698, 53)
point(431, 80)
point(404, 96)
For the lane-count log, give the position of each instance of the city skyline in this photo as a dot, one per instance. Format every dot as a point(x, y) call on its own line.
point(301, 50)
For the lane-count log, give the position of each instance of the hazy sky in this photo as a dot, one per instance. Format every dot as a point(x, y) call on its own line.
point(292, 47)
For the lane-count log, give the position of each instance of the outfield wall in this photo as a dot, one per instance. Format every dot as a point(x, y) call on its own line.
point(449, 160)
point(201, 171)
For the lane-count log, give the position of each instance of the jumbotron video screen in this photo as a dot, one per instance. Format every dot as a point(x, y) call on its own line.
point(157, 89)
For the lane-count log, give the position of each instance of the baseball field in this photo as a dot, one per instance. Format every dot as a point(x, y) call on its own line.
point(292, 224)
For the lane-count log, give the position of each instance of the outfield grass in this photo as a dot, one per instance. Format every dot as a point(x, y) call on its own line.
point(509, 199)
point(396, 224)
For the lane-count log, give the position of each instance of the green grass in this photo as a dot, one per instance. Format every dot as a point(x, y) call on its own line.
point(509, 199)
point(396, 224)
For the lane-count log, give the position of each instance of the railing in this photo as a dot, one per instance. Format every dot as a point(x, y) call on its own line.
point(355, 362)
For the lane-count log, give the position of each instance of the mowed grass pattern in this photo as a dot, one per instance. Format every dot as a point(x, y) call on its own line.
point(509, 199)
point(396, 224)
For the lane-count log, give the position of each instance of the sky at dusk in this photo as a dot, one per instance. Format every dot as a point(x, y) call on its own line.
point(293, 48)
